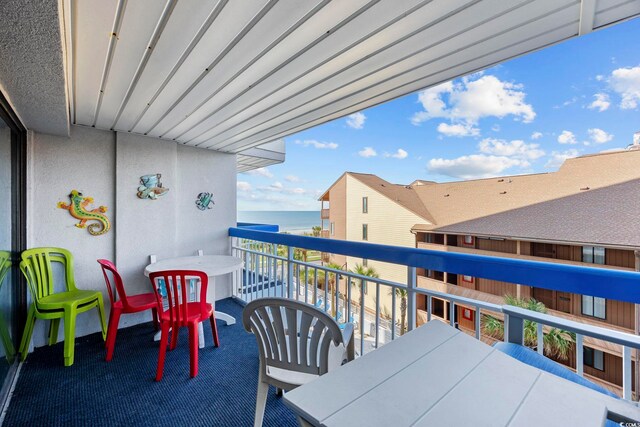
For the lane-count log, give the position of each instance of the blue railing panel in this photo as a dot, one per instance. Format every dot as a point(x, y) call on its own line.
point(259, 227)
point(606, 283)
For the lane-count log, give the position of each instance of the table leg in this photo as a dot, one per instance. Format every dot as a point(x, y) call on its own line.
point(226, 317)
point(230, 320)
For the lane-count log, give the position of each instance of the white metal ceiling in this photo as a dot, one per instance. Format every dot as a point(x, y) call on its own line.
point(232, 75)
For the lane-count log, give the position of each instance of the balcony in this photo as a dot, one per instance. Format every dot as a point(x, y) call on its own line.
point(324, 213)
point(379, 322)
point(123, 392)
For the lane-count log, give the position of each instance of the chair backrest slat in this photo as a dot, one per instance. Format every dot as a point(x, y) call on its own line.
point(116, 289)
point(291, 334)
point(305, 324)
point(267, 322)
point(36, 265)
point(278, 325)
point(5, 265)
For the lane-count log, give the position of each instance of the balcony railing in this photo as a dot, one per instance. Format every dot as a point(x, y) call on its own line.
point(324, 214)
point(273, 268)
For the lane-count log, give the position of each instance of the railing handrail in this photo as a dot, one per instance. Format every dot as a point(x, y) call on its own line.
point(605, 283)
point(593, 331)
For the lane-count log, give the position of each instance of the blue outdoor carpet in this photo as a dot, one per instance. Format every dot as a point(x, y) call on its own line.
point(123, 392)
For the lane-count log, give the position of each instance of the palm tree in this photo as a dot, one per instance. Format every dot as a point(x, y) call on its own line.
point(557, 342)
point(360, 283)
point(334, 280)
point(402, 294)
point(316, 231)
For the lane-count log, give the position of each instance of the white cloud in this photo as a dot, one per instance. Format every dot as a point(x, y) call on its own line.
point(458, 130)
point(598, 136)
point(558, 157)
point(495, 128)
point(516, 149)
point(471, 100)
point(261, 171)
point(600, 103)
point(243, 186)
point(567, 137)
point(292, 178)
point(317, 144)
point(474, 166)
point(626, 82)
point(356, 120)
point(296, 190)
point(367, 152)
point(536, 135)
point(400, 154)
point(276, 186)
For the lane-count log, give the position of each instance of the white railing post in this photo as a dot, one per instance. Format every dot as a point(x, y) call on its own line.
point(513, 329)
point(626, 372)
point(540, 334)
point(289, 272)
point(411, 298)
point(579, 355)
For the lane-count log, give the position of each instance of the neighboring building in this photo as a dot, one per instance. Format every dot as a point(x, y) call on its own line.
point(586, 213)
point(363, 207)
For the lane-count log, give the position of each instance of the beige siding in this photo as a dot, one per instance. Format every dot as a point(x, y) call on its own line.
point(337, 212)
point(388, 224)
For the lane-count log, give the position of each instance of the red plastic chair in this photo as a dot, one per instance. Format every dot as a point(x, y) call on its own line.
point(182, 309)
point(123, 303)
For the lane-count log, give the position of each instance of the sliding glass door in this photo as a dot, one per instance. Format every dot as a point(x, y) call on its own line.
point(12, 236)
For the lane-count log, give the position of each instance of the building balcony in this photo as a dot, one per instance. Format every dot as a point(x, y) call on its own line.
point(123, 392)
point(463, 250)
point(324, 214)
point(381, 322)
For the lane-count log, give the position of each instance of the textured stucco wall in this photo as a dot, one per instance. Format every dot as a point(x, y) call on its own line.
point(57, 165)
point(108, 166)
point(31, 64)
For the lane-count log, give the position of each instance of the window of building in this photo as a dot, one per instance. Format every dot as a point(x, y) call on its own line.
point(365, 205)
point(468, 240)
point(593, 254)
point(468, 279)
point(593, 358)
point(594, 306)
point(332, 226)
point(365, 232)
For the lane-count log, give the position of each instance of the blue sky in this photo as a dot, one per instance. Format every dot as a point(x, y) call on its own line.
point(523, 116)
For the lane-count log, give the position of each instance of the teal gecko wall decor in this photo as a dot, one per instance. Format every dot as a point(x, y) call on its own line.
point(205, 201)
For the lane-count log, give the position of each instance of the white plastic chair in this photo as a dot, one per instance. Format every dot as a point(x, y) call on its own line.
point(294, 344)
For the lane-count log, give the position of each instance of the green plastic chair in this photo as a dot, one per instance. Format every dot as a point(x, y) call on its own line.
point(50, 305)
point(5, 336)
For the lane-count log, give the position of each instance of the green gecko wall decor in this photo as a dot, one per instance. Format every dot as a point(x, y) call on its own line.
point(78, 209)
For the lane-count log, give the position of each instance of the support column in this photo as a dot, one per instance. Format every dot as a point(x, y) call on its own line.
point(637, 329)
point(518, 286)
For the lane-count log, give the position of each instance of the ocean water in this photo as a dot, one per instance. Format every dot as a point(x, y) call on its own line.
point(291, 221)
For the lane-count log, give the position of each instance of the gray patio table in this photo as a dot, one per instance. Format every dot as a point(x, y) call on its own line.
point(212, 266)
point(439, 376)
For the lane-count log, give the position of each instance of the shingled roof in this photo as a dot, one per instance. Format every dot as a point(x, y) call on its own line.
point(455, 202)
point(608, 216)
